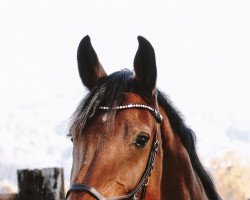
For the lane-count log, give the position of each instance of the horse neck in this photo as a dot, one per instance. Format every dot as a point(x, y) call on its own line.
point(175, 174)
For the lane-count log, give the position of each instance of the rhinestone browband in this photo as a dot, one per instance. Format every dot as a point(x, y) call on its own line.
point(155, 112)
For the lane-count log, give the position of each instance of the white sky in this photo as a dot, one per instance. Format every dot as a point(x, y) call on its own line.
point(202, 51)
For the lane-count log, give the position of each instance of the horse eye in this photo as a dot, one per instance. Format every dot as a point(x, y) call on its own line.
point(71, 139)
point(141, 140)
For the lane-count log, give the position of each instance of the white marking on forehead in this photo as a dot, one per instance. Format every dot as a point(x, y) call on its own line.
point(104, 118)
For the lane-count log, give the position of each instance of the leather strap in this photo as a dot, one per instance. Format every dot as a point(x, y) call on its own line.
point(85, 188)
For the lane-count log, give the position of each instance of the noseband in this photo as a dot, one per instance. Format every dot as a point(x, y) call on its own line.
point(143, 183)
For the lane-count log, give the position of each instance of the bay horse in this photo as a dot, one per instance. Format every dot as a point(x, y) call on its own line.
point(129, 142)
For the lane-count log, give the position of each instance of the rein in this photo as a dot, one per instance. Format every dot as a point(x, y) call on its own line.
point(143, 183)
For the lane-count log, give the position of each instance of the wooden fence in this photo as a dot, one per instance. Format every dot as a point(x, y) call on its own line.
point(44, 184)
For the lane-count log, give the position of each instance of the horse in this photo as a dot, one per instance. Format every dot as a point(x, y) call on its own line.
point(129, 142)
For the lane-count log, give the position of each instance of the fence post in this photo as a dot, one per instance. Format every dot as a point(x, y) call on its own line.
point(44, 184)
point(8, 196)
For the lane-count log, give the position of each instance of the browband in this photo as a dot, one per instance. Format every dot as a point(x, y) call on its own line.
point(155, 112)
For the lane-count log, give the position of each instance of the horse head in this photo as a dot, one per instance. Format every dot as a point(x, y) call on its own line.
point(128, 140)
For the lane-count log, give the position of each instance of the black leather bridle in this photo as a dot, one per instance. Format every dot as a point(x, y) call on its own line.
point(143, 183)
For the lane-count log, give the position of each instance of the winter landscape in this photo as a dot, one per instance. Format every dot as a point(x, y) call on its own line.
point(202, 51)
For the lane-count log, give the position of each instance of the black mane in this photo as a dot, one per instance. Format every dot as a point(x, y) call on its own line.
point(188, 139)
point(109, 93)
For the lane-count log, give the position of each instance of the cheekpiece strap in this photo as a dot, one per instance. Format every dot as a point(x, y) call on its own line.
point(155, 112)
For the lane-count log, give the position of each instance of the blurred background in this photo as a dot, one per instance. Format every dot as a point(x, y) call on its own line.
point(202, 52)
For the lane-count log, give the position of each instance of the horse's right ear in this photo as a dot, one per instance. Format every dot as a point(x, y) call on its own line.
point(90, 69)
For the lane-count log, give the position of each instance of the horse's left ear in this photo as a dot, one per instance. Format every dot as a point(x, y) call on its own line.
point(145, 67)
point(90, 69)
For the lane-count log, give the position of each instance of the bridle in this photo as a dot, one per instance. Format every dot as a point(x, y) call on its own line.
point(143, 183)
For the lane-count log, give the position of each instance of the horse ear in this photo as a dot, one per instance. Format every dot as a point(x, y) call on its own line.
point(145, 67)
point(90, 69)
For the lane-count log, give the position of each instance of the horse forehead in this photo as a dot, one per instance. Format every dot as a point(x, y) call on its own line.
point(135, 115)
point(132, 98)
point(104, 118)
point(132, 116)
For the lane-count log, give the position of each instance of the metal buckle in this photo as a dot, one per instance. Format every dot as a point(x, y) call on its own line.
point(157, 115)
